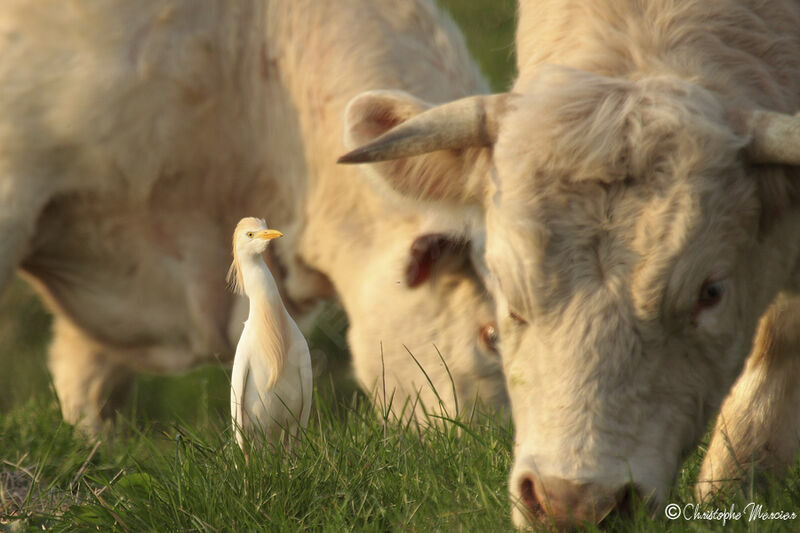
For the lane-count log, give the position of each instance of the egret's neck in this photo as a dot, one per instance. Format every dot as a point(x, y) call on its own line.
point(259, 285)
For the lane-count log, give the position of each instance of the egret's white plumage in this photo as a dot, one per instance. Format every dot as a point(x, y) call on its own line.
point(271, 381)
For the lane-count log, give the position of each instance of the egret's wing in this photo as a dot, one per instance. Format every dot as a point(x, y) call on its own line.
point(239, 378)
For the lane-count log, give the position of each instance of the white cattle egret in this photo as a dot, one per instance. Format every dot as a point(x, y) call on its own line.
point(271, 381)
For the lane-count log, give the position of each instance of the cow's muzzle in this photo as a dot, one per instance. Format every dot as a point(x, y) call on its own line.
point(564, 503)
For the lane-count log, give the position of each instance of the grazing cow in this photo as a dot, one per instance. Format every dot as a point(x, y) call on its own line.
point(135, 134)
point(638, 199)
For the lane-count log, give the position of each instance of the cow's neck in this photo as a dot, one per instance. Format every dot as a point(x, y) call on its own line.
point(344, 226)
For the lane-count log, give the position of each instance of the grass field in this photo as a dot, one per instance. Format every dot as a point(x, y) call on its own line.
point(170, 465)
point(351, 471)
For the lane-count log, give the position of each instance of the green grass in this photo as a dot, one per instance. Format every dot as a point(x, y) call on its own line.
point(489, 28)
point(352, 470)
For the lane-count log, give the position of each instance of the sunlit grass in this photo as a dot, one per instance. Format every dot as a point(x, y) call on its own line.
point(351, 470)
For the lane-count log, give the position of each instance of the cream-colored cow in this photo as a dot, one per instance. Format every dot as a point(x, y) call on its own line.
point(638, 197)
point(133, 136)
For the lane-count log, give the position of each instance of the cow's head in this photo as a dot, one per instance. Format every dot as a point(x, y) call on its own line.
point(428, 342)
point(634, 234)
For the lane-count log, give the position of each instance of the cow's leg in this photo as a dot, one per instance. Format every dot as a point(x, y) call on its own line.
point(759, 424)
point(89, 382)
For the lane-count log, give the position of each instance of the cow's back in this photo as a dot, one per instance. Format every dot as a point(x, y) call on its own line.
point(140, 124)
point(747, 49)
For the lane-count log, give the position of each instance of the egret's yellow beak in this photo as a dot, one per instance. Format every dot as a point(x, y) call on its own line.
point(269, 234)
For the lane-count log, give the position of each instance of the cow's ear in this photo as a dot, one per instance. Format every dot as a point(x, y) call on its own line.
point(430, 251)
point(451, 175)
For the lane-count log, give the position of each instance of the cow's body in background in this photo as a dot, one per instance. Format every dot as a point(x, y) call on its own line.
point(641, 223)
point(134, 136)
point(370, 246)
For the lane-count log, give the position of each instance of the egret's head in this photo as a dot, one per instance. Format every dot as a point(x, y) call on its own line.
point(250, 238)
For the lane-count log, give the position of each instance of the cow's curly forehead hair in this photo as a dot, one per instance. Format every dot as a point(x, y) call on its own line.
point(591, 169)
point(573, 126)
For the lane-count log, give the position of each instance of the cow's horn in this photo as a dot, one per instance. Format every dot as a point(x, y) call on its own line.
point(775, 137)
point(471, 121)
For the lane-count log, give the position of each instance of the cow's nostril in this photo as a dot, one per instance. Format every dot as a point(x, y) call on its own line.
point(565, 503)
point(528, 496)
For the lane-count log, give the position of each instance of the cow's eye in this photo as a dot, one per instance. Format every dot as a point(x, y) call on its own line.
point(711, 293)
point(489, 336)
point(518, 319)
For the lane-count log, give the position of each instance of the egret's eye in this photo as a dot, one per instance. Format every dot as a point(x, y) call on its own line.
point(489, 336)
point(250, 234)
point(711, 293)
point(518, 319)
